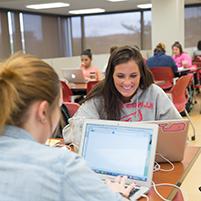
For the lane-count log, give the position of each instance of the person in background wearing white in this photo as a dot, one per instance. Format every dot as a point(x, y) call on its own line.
point(197, 53)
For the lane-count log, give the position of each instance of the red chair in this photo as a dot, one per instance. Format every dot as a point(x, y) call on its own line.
point(91, 85)
point(197, 61)
point(179, 94)
point(72, 107)
point(178, 197)
point(67, 93)
point(163, 74)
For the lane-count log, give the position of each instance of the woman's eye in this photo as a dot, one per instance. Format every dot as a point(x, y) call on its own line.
point(133, 76)
point(120, 76)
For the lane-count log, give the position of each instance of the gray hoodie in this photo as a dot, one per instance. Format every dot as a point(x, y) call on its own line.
point(146, 105)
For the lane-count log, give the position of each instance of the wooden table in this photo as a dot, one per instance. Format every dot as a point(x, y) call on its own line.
point(184, 71)
point(174, 177)
point(78, 88)
point(159, 82)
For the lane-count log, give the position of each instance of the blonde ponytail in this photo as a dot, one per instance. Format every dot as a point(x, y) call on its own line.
point(23, 80)
point(7, 100)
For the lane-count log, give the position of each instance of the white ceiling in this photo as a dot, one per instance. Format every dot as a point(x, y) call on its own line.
point(78, 4)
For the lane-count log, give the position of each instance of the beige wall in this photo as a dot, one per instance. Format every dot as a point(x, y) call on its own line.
point(167, 22)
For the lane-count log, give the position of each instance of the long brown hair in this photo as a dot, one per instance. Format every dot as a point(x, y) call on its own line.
point(23, 80)
point(112, 99)
point(179, 46)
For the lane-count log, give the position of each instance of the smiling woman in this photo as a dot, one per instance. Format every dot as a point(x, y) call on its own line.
point(126, 79)
point(127, 93)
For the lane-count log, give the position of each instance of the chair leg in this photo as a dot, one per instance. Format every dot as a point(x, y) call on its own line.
point(193, 137)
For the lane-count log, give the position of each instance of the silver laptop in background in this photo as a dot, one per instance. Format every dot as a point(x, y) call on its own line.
point(73, 75)
point(172, 137)
point(113, 148)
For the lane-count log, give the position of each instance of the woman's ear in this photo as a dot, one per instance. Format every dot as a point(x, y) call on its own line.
point(42, 112)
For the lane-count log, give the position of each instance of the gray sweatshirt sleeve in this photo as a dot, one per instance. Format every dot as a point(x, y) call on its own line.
point(165, 108)
point(72, 133)
point(89, 109)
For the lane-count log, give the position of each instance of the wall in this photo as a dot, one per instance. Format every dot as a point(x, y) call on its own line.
point(167, 22)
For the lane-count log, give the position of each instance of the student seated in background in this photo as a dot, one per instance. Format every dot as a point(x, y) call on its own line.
point(198, 51)
point(127, 93)
point(30, 170)
point(112, 49)
point(182, 59)
point(90, 72)
point(160, 59)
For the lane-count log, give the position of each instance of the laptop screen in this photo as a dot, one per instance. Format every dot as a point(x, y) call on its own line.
point(118, 150)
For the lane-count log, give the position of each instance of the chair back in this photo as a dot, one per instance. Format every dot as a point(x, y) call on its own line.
point(197, 61)
point(179, 92)
point(67, 93)
point(163, 74)
point(90, 85)
point(72, 107)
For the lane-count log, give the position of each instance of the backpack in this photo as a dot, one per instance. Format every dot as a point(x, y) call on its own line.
point(65, 116)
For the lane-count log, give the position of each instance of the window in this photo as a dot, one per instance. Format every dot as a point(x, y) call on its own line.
point(76, 35)
point(146, 30)
point(41, 36)
point(64, 31)
point(192, 26)
point(14, 31)
point(5, 49)
point(105, 31)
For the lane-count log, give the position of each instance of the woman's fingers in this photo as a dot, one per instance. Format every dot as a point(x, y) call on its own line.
point(117, 179)
point(119, 185)
point(129, 188)
point(123, 180)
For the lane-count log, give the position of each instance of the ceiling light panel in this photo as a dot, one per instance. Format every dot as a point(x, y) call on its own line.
point(48, 5)
point(148, 5)
point(116, 0)
point(87, 11)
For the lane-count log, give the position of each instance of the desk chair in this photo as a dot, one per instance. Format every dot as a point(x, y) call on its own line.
point(178, 197)
point(67, 93)
point(179, 95)
point(72, 107)
point(163, 74)
point(90, 85)
point(197, 61)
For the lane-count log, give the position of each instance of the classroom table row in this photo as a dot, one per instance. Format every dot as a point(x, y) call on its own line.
point(80, 88)
point(176, 176)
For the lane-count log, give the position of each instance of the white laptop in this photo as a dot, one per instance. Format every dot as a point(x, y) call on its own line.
point(172, 136)
point(73, 75)
point(113, 148)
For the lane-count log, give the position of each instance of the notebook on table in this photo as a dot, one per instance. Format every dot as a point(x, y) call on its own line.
point(113, 148)
point(172, 136)
point(73, 75)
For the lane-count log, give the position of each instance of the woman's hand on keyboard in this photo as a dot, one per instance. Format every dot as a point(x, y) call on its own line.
point(119, 185)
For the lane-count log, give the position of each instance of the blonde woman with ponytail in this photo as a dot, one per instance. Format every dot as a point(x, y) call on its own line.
point(30, 110)
point(160, 59)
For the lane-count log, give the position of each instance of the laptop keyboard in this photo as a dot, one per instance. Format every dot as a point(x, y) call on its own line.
point(134, 191)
